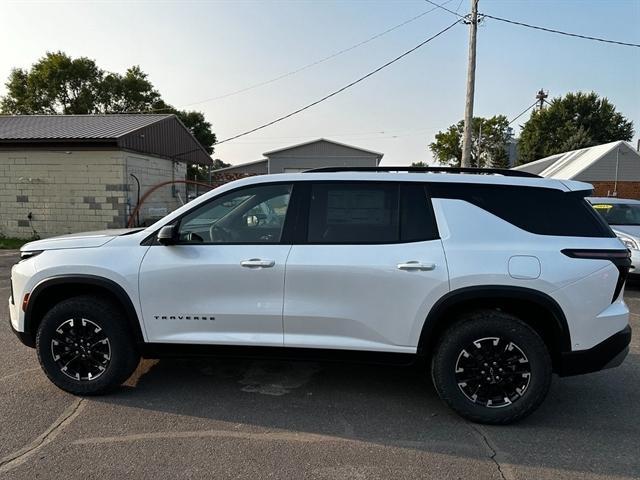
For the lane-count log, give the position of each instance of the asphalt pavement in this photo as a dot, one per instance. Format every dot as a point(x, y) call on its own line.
point(292, 420)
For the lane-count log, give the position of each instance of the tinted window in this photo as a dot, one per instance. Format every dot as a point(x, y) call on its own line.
point(619, 213)
point(543, 211)
point(417, 221)
point(353, 213)
point(248, 215)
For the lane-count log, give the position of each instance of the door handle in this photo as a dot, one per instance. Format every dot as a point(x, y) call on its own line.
point(415, 265)
point(257, 263)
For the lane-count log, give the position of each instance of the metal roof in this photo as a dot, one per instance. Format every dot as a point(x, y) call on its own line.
point(157, 134)
point(568, 165)
point(241, 165)
point(23, 127)
point(280, 150)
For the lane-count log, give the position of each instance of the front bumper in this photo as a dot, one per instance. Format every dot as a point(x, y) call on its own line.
point(26, 338)
point(607, 354)
point(634, 272)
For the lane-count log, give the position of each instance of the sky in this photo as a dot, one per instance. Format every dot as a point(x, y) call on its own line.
point(195, 51)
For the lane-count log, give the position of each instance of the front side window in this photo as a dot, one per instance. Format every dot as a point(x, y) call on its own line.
point(353, 213)
point(619, 213)
point(248, 215)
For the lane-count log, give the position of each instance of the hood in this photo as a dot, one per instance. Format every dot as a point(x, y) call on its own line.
point(78, 240)
point(633, 230)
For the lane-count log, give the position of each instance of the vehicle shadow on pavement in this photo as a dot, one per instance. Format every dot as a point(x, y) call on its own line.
point(593, 417)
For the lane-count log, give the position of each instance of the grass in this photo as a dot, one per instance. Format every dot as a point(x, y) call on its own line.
point(12, 243)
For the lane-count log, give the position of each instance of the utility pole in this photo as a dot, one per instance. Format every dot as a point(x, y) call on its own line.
point(471, 81)
point(542, 97)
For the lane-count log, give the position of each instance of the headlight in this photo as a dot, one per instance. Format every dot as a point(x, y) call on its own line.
point(629, 242)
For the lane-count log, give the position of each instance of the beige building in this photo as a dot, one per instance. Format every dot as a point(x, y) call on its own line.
point(304, 156)
point(68, 173)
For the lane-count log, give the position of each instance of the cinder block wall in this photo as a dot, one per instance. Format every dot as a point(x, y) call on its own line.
point(76, 191)
point(151, 171)
point(64, 192)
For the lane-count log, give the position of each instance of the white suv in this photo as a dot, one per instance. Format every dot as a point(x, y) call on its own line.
point(495, 280)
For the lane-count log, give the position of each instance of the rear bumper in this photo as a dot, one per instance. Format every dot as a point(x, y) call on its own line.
point(607, 354)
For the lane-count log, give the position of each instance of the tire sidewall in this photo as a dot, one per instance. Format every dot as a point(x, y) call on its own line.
point(509, 329)
point(110, 321)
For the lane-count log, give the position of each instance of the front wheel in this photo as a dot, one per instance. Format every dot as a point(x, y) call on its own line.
point(85, 347)
point(492, 368)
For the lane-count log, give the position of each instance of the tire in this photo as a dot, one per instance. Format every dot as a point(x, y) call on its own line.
point(466, 352)
point(72, 349)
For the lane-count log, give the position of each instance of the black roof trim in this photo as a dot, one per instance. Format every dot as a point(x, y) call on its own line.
point(479, 171)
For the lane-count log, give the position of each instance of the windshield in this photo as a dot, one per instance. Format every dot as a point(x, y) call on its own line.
point(619, 213)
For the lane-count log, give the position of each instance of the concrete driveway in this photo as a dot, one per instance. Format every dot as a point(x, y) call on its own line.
point(288, 420)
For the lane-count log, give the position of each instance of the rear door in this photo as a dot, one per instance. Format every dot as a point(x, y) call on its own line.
point(366, 267)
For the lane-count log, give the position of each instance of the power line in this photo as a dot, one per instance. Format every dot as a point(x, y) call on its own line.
point(524, 111)
point(322, 60)
point(340, 90)
point(442, 7)
point(559, 32)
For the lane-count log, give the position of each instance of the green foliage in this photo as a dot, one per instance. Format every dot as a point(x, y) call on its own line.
point(577, 120)
point(56, 84)
point(419, 164)
point(201, 173)
point(131, 92)
point(489, 143)
point(59, 84)
point(12, 243)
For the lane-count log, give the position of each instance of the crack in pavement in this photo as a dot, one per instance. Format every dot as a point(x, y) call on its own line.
point(19, 457)
point(505, 472)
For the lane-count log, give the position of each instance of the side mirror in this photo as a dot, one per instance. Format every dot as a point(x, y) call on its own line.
point(167, 235)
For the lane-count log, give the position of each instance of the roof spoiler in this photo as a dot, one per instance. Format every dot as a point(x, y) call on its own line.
point(576, 186)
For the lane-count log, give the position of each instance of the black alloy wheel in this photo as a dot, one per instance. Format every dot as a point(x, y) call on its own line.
point(81, 349)
point(493, 372)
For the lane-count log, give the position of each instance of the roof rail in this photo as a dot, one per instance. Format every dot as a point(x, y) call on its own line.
point(478, 171)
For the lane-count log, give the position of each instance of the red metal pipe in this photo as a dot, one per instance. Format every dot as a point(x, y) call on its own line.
point(156, 187)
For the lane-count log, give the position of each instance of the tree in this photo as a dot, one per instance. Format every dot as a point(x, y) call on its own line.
point(59, 84)
point(218, 164)
point(419, 164)
point(577, 120)
point(489, 143)
point(131, 92)
point(201, 173)
point(55, 84)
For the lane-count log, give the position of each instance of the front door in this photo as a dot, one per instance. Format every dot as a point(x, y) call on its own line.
point(368, 270)
point(223, 282)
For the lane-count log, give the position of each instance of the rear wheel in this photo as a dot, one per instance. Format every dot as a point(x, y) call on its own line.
point(85, 347)
point(491, 367)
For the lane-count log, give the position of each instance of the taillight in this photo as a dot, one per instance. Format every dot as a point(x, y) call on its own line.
point(620, 258)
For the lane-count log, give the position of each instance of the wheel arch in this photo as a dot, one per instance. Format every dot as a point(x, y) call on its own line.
point(536, 308)
point(58, 288)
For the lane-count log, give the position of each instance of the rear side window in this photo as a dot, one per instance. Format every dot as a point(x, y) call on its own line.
point(353, 213)
point(417, 221)
point(544, 211)
point(370, 212)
